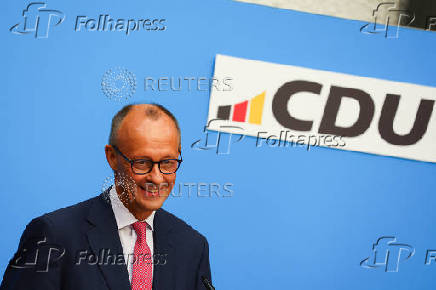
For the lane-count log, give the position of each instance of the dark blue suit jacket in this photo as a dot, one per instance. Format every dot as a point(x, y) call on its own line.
point(79, 248)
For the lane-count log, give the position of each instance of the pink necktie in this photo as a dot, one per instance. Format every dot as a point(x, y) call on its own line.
point(142, 273)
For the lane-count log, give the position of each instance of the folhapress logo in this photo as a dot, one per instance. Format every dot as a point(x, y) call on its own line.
point(387, 11)
point(38, 20)
point(37, 254)
point(388, 254)
point(239, 113)
point(104, 23)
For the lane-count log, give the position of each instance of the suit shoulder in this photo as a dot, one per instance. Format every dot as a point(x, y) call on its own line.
point(70, 213)
point(51, 226)
point(182, 226)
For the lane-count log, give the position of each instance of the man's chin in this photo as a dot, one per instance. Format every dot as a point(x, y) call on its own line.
point(150, 203)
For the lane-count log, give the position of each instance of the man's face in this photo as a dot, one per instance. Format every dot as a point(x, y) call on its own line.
point(143, 138)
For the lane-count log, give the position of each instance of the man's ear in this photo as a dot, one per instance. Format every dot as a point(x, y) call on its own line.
point(111, 156)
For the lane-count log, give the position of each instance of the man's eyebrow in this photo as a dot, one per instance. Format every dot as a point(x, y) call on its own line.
point(148, 158)
point(169, 157)
point(141, 157)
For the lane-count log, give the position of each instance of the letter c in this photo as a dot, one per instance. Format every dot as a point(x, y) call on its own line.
point(281, 99)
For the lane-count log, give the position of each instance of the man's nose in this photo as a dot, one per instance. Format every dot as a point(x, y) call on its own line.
point(155, 175)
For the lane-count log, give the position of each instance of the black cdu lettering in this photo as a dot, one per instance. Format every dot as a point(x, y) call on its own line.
point(366, 112)
point(386, 123)
point(281, 99)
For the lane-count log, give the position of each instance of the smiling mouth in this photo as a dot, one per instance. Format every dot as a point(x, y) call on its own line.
point(150, 191)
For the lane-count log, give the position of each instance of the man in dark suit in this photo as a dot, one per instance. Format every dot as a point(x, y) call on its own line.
point(121, 239)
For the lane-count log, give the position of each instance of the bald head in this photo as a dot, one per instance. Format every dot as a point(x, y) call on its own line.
point(140, 133)
point(131, 115)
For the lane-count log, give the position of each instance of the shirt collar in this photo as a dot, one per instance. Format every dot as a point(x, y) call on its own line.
point(122, 215)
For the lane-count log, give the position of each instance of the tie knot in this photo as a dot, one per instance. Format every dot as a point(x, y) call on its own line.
point(140, 229)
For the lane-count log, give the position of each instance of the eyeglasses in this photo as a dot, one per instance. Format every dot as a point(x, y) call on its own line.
point(144, 166)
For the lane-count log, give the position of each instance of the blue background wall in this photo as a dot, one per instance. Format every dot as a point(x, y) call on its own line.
point(297, 219)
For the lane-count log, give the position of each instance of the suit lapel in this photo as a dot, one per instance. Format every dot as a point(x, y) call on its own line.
point(103, 236)
point(163, 246)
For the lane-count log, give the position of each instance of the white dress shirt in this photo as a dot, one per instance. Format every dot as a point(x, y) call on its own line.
point(127, 234)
